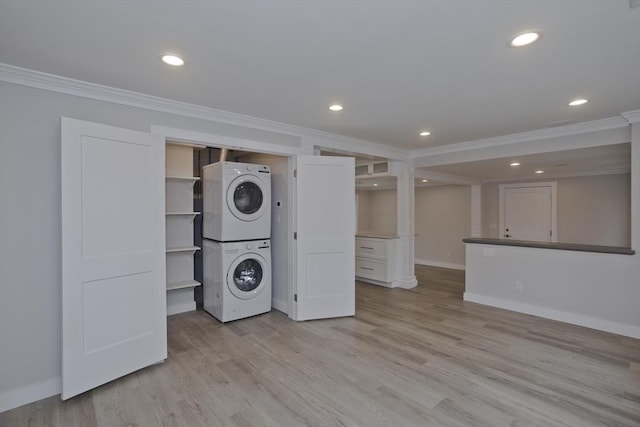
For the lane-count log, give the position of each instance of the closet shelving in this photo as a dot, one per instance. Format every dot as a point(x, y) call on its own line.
point(179, 219)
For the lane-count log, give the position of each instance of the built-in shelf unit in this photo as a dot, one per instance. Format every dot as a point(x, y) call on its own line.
point(179, 228)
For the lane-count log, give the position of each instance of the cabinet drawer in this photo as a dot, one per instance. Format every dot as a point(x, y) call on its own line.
point(371, 269)
point(370, 248)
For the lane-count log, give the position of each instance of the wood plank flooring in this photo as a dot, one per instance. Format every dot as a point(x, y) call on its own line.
point(419, 357)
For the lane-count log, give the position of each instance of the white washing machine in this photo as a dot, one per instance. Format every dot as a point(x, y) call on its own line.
point(237, 278)
point(237, 201)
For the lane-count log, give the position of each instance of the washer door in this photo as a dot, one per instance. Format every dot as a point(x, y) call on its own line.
point(246, 198)
point(247, 275)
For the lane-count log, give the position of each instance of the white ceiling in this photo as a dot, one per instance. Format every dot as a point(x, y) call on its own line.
point(604, 159)
point(398, 66)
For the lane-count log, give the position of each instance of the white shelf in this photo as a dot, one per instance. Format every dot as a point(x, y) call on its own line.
point(182, 285)
point(183, 178)
point(183, 249)
point(182, 215)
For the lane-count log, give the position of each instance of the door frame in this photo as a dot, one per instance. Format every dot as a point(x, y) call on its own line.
point(177, 135)
point(552, 184)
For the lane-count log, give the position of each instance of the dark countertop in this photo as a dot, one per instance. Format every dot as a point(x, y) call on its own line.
point(551, 245)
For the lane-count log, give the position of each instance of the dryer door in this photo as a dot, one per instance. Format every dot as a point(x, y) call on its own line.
point(247, 276)
point(247, 197)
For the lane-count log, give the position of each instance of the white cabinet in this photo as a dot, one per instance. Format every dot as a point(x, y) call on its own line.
point(372, 168)
point(376, 260)
point(179, 228)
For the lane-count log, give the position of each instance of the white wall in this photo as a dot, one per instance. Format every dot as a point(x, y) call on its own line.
point(382, 211)
point(595, 210)
point(30, 224)
point(595, 290)
point(364, 210)
point(591, 209)
point(442, 220)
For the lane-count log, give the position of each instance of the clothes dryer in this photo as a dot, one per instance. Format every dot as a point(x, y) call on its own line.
point(237, 278)
point(237, 201)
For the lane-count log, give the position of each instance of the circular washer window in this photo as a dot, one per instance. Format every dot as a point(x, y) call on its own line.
point(247, 275)
point(246, 198)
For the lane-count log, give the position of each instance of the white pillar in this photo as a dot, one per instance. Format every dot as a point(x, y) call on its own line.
point(476, 211)
point(405, 227)
point(635, 186)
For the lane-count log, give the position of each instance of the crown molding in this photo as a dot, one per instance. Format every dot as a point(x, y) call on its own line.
point(54, 83)
point(632, 116)
point(536, 135)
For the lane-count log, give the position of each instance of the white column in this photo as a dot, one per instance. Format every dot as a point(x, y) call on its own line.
point(405, 227)
point(476, 211)
point(635, 186)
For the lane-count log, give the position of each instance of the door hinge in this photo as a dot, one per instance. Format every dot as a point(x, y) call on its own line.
point(295, 297)
point(295, 173)
point(295, 235)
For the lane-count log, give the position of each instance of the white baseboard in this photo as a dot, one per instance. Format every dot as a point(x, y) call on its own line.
point(21, 396)
point(405, 283)
point(374, 282)
point(440, 264)
point(280, 305)
point(562, 316)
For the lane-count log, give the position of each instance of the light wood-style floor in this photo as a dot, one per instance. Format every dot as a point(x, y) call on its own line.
point(420, 357)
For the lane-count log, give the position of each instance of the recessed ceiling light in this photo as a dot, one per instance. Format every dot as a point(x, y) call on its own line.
point(173, 60)
point(336, 107)
point(539, 171)
point(579, 101)
point(514, 164)
point(425, 133)
point(375, 185)
point(525, 39)
point(425, 180)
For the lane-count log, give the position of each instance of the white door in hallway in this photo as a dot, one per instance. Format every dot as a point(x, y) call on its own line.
point(527, 212)
point(325, 250)
point(113, 254)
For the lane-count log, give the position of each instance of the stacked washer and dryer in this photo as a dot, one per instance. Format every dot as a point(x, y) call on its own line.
point(236, 246)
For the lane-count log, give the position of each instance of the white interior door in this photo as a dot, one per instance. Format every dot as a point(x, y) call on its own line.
point(527, 213)
point(113, 263)
point(325, 268)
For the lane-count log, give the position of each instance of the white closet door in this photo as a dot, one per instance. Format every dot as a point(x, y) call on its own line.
point(325, 278)
point(113, 264)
